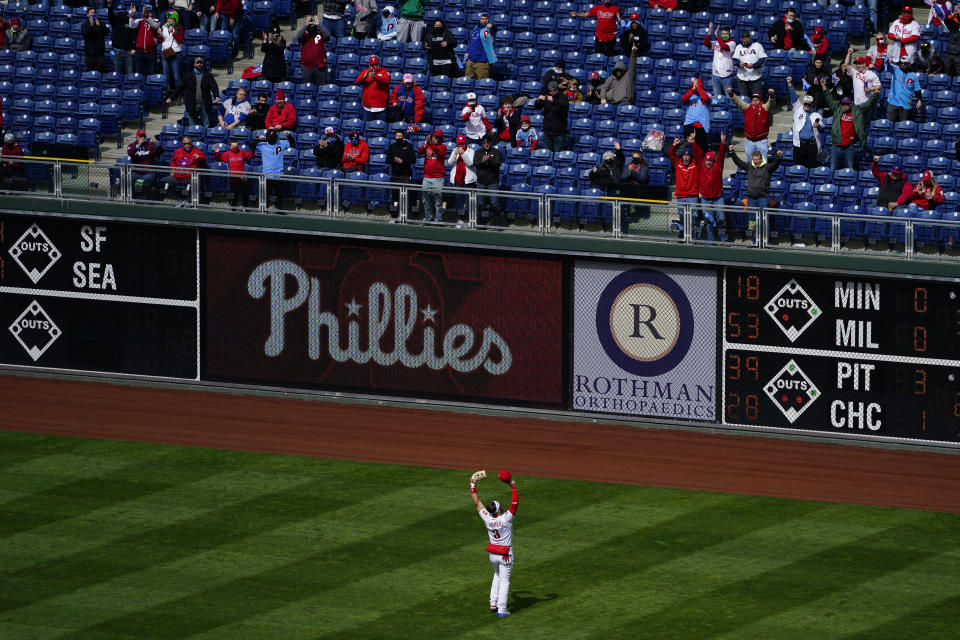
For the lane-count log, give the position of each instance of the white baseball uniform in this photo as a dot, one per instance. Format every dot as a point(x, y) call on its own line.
point(500, 531)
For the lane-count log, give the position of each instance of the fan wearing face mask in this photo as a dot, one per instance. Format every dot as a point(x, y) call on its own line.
point(618, 89)
point(607, 14)
point(329, 151)
point(236, 160)
point(903, 34)
point(271, 149)
point(787, 33)
point(313, 40)
point(356, 153)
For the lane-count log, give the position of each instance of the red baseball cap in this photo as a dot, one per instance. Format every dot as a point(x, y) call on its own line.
point(818, 31)
point(927, 175)
point(860, 60)
point(374, 60)
point(908, 9)
point(525, 119)
point(594, 75)
point(461, 139)
point(709, 156)
point(634, 16)
point(141, 133)
point(438, 132)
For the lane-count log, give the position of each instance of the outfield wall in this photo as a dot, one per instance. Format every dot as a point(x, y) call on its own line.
point(714, 338)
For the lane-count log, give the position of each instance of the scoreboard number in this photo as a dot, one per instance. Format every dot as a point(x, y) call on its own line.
point(828, 352)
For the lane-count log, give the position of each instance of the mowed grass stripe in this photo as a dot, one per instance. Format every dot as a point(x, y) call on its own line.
point(161, 544)
point(193, 577)
point(367, 557)
point(585, 562)
point(404, 588)
point(129, 516)
point(934, 621)
point(835, 569)
point(862, 608)
point(702, 570)
point(245, 596)
point(591, 555)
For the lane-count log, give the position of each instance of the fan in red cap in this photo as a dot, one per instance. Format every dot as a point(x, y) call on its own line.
point(904, 34)
point(356, 153)
point(634, 36)
point(375, 82)
point(819, 44)
point(462, 175)
point(434, 153)
point(281, 116)
point(527, 137)
point(926, 195)
point(499, 525)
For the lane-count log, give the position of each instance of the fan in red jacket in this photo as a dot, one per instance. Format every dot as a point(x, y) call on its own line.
point(11, 163)
point(669, 5)
point(236, 159)
point(895, 187)
point(685, 167)
point(926, 193)
point(710, 185)
point(281, 116)
point(375, 81)
point(230, 9)
point(356, 153)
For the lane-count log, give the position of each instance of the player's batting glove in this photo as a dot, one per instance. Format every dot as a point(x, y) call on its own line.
point(477, 476)
point(505, 476)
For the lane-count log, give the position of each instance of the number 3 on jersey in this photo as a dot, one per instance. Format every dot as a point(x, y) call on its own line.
point(495, 533)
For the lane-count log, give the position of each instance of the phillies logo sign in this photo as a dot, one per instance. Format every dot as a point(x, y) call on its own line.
point(288, 287)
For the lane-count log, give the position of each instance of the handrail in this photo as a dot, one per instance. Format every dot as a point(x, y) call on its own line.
point(618, 216)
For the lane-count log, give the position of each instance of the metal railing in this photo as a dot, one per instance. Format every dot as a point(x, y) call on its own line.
point(545, 213)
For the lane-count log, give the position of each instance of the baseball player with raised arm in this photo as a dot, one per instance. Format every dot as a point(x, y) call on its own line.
point(500, 530)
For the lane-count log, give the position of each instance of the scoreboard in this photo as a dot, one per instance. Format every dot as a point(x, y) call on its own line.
point(827, 352)
point(104, 296)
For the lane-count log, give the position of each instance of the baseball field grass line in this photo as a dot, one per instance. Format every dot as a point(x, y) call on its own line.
point(243, 545)
point(937, 620)
point(264, 591)
point(470, 563)
point(731, 517)
point(838, 568)
point(158, 544)
point(218, 570)
point(866, 606)
point(200, 492)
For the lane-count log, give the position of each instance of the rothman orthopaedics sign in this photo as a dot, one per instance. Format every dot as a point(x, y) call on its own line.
point(645, 340)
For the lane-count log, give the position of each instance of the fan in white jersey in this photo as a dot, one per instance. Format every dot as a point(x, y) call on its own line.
point(500, 531)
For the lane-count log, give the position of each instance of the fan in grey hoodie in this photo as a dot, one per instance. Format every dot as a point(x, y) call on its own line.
point(618, 89)
point(759, 172)
point(365, 22)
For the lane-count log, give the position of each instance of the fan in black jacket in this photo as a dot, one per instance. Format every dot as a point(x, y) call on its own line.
point(401, 157)
point(274, 66)
point(440, 44)
point(209, 93)
point(635, 35)
point(787, 32)
point(556, 109)
point(329, 151)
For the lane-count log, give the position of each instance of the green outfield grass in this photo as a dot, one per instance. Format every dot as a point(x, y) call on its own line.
point(106, 540)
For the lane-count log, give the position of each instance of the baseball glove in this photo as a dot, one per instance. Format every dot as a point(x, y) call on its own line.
point(478, 476)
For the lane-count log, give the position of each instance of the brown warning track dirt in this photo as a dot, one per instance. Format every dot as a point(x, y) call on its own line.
point(668, 458)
